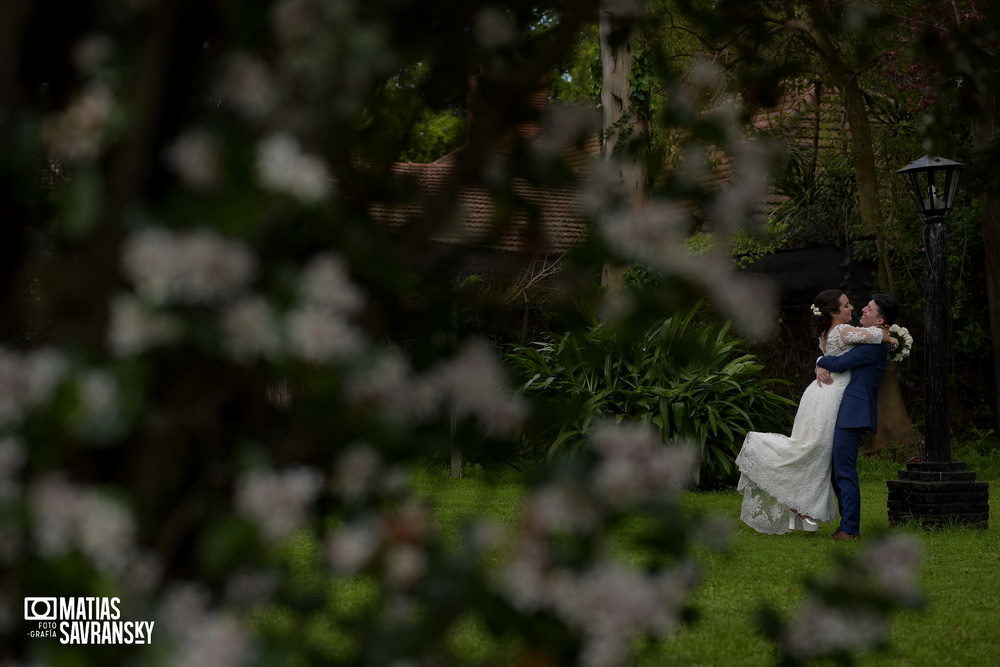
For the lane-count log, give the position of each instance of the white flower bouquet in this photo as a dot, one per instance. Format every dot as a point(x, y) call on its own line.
point(902, 350)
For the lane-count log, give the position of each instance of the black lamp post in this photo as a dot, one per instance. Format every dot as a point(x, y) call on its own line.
point(933, 182)
point(936, 491)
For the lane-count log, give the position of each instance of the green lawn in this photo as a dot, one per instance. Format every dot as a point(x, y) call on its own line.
point(959, 625)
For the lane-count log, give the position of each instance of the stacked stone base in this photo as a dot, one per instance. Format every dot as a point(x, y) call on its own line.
point(938, 494)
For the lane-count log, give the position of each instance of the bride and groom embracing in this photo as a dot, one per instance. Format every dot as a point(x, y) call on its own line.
point(798, 481)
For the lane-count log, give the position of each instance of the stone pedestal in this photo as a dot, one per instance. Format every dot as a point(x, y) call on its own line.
point(938, 494)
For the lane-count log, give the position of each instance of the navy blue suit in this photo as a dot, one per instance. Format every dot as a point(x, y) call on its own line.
point(858, 413)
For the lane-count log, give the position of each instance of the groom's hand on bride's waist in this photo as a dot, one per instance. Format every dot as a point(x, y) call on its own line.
point(823, 376)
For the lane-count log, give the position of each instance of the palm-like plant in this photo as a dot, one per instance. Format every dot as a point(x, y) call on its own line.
point(685, 375)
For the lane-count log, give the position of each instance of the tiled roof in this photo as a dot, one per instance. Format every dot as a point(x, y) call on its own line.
point(544, 220)
point(551, 220)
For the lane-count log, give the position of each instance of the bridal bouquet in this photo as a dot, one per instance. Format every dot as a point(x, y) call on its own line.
point(902, 351)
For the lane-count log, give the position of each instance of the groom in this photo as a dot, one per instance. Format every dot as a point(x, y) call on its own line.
point(857, 410)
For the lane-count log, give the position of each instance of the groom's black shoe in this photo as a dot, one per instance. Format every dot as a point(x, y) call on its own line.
point(842, 535)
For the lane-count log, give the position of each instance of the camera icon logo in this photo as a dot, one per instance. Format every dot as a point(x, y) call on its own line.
point(40, 609)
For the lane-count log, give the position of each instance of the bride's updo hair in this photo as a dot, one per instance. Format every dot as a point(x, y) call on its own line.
point(827, 303)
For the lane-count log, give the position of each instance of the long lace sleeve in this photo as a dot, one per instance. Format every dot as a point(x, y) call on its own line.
point(860, 335)
point(843, 337)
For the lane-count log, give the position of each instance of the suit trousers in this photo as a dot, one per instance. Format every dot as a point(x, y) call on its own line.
point(844, 475)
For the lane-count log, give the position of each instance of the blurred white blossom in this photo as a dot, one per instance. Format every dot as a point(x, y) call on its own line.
point(623, 8)
point(705, 74)
point(326, 284)
point(186, 267)
point(27, 381)
point(654, 234)
point(523, 577)
point(91, 52)
point(356, 472)
point(106, 532)
point(612, 604)
point(387, 384)
point(560, 507)
point(250, 329)
point(818, 629)
point(893, 565)
point(737, 203)
point(282, 166)
point(203, 637)
point(278, 502)
point(474, 383)
point(404, 565)
point(67, 516)
point(219, 640)
point(77, 133)
point(600, 187)
point(637, 465)
point(564, 126)
point(98, 408)
point(318, 336)
point(294, 19)
point(494, 29)
point(43, 369)
point(248, 87)
point(194, 157)
point(351, 546)
point(135, 328)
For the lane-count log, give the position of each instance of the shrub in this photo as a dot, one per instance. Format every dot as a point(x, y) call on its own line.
point(684, 375)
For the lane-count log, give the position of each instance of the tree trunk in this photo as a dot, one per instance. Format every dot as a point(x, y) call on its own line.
point(863, 158)
point(985, 129)
point(894, 424)
point(626, 132)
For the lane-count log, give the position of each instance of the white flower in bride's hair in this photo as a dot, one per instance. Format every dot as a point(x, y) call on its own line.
point(815, 310)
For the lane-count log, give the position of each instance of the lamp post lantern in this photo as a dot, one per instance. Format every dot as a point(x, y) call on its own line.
point(933, 183)
point(936, 491)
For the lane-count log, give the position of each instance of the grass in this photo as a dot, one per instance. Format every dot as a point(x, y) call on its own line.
point(959, 578)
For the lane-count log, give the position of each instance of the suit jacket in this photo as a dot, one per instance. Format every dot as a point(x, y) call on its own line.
point(859, 407)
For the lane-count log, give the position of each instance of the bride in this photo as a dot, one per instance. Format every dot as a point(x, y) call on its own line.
point(785, 481)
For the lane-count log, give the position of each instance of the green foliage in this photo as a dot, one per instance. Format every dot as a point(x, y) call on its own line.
point(434, 135)
point(685, 376)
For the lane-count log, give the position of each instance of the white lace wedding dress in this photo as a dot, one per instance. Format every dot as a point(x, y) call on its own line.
point(782, 473)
